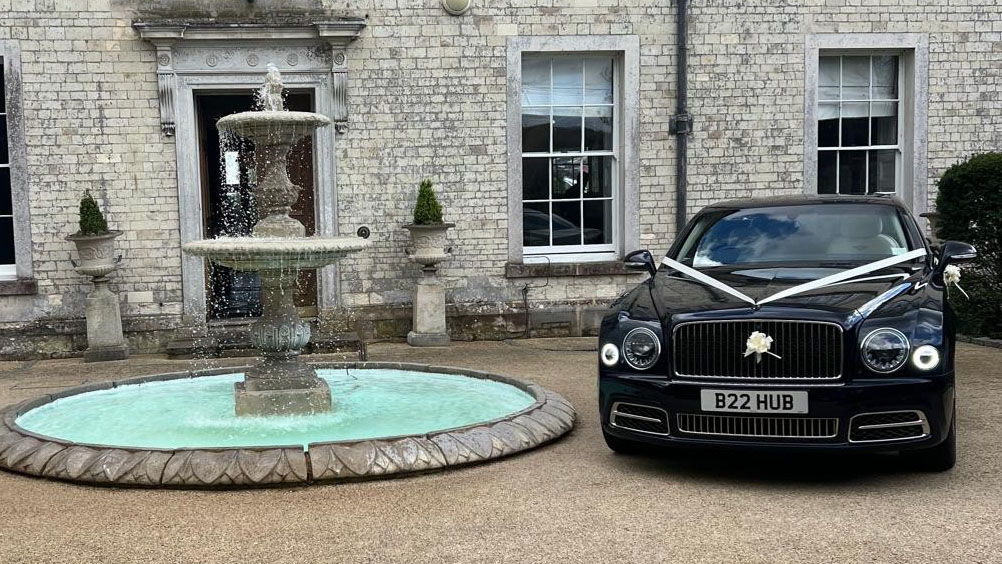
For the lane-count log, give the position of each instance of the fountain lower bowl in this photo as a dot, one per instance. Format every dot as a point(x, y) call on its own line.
point(429, 418)
point(259, 253)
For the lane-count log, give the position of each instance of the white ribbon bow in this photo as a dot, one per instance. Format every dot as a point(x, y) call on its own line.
point(758, 344)
point(951, 276)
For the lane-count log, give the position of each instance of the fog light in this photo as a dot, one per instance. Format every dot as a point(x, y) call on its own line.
point(610, 354)
point(926, 357)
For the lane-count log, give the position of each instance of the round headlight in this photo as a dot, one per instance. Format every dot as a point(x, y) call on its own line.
point(925, 357)
point(609, 354)
point(641, 348)
point(885, 350)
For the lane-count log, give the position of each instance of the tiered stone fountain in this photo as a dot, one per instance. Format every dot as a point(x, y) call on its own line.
point(278, 249)
point(187, 429)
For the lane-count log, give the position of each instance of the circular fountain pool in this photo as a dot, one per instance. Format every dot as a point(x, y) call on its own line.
point(180, 429)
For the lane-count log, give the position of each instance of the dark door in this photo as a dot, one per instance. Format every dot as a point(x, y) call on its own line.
point(228, 177)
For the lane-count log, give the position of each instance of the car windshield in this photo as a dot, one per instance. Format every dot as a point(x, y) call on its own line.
point(820, 235)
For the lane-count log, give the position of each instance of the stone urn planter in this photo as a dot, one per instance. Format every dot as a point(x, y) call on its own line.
point(97, 253)
point(428, 243)
point(428, 248)
point(97, 259)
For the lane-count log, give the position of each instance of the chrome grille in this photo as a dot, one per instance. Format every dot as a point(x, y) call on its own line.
point(758, 426)
point(809, 350)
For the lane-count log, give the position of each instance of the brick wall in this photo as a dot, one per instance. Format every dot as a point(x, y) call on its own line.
point(427, 99)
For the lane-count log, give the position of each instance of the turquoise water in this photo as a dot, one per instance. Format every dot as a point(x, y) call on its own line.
point(198, 412)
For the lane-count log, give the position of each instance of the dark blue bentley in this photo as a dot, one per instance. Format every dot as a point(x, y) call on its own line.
point(808, 323)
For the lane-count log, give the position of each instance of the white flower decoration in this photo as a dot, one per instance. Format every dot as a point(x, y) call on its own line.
point(951, 276)
point(758, 344)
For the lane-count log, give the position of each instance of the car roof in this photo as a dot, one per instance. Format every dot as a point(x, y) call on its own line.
point(805, 200)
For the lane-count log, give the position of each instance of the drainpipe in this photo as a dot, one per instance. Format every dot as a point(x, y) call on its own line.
point(681, 124)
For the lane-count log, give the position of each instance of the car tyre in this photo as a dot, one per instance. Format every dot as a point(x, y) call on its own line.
point(939, 458)
point(625, 446)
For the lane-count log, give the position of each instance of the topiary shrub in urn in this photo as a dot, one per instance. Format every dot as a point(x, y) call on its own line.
point(428, 248)
point(428, 243)
point(96, 248)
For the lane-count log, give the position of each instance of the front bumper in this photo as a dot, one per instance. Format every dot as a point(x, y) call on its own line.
point(933, 396)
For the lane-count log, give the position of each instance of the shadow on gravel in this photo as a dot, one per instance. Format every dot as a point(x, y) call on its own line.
point(745, 467)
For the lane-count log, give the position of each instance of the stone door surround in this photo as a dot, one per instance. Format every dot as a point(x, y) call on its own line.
point(199, 55)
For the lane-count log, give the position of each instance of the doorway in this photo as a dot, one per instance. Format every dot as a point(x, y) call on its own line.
point(227, 177)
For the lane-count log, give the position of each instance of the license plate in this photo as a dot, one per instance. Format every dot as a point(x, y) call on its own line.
point(753, 401)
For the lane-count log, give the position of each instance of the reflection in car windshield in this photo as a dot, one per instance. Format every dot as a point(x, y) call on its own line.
point(830, 233)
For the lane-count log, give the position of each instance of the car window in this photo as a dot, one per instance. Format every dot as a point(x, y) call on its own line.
point(828, 233)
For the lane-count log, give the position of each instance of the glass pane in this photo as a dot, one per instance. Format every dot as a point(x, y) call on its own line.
point(855, 124)
point(535, 81)
point(828, 78)
point(828, 125)
point(885, 77)
point(598, 177)
point(598, 128)
point(884, 123)
point(883, 169)
point(566, 177)
point(597, 222)
point(567, 223)
point(855, 78)
point(3, 89)
point(852, 172)
point(6, 240)
point(5, 201)
point(536, 225)
point(535, 130)
point(598, 81)
point(566, 130)
point(827, 161)
point(567, 82)
point(535, 178)
point(4, 157)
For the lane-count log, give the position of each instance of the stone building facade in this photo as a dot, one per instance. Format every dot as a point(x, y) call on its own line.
point(420, 93)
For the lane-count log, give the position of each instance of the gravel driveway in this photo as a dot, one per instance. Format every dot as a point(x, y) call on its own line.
point(573, 501)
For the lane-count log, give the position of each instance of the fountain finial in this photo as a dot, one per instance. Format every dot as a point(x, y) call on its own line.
point(270, 95)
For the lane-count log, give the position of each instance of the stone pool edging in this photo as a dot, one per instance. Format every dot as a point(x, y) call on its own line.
point(21, 451)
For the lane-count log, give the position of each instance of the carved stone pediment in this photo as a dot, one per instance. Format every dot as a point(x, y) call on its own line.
point(198, 46)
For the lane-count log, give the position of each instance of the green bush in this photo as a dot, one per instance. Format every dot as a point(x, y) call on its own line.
point(427, 210)
point(91, 219)
point(969, 209)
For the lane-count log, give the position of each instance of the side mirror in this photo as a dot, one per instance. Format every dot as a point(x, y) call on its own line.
point(641, 260)
point(952, 252)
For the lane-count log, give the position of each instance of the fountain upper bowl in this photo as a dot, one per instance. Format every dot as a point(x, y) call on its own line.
point(273, 126)
point(273, 253)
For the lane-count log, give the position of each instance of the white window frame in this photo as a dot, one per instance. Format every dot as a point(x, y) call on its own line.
point(626, 51)
point(608, 249)
point(900, 117)
point(913, 95)
point(17, 162)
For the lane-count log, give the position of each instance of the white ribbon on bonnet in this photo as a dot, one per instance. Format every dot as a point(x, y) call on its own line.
point(800, 288)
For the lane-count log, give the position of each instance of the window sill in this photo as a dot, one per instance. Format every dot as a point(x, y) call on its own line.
point(18, 287)
point(542, 270)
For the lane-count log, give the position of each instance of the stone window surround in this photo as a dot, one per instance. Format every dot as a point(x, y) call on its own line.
point(24, 282)
point(627, 48)
point(914, 66)
point(193, 57)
